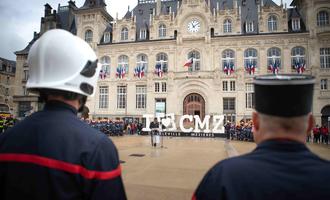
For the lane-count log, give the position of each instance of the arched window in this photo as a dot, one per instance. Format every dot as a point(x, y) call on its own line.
point(162, 60)
point(105, 65)
point(228, 59)
point(297, 57)
point(272, 23)
point(142, 61)
point(89, 36)
point(162, 30)
point(250, 59)
point(195, 55)
point(322, 18)
point(274, 57)
point(124, 34)
point(123, 63)
point(227, 26)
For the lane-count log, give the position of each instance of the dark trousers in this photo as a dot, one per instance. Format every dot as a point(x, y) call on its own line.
point(325, 139)
point(317, 138)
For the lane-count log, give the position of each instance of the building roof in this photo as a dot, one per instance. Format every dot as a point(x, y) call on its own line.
point(10, 63)
point(65, 19)
point(26, 50)
point(144, 8)
point(293, 13)
point(93, 4)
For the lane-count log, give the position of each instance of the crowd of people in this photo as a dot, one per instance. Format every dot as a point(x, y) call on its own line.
point(6, 123)
point(244, 132)
point(116, 127)
point(320, 135)
point(241, 131)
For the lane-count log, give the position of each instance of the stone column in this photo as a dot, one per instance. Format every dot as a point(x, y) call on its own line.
point(262, 62)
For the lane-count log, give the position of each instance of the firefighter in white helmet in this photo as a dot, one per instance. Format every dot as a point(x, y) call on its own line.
point(52, 154)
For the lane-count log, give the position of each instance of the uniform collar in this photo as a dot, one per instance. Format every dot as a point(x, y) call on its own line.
point(58, 105)
point(282, 145)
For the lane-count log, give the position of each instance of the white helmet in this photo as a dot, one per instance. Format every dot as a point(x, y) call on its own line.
point(61, 61)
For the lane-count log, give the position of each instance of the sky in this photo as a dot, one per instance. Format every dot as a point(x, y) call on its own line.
point(20, 18)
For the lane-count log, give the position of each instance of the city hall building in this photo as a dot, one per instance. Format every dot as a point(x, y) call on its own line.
point(197, 57)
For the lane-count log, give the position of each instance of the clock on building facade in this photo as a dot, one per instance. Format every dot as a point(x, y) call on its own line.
point(194, 26)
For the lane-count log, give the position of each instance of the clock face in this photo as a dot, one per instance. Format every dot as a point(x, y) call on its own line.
point(194, 26)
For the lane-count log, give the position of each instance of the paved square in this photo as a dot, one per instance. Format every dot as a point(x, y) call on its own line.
point(173, 172)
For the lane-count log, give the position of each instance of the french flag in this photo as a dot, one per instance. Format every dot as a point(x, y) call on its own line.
point(159, 70)
point(250, 68)
point(225, 68)
point(189, 62)
point(274, 67)
point(232, 68)
point(139, 71)
point(300, 67)
point(103, 74)
point(120, 73)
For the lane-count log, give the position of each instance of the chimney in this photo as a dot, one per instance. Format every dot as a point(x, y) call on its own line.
point(48, 10)
point(72, 3)
point(158, 7)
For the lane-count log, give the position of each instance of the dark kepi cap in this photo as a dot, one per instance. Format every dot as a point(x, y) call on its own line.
point(284, 95)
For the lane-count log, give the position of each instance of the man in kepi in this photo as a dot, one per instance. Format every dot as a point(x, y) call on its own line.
point(52, 154)
point(281, 167)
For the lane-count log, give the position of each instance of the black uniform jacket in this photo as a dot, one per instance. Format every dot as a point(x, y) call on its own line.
point(54, 155)
point(274, 170)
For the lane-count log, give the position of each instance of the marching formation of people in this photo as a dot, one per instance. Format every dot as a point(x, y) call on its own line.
point(116, 127)
point(6, 123)
point(241, 131)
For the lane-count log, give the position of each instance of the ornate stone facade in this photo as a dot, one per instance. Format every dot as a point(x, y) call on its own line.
point(7, 79)
point(217, 35)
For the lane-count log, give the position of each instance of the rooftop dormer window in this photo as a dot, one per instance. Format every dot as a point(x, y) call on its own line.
point(295, 24)
point(272, 23)
point(143, 34)
point(124, 34)
point(106, 38)
point(249, 27)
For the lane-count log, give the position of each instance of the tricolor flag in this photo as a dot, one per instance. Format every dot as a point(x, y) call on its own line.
point(250, 68)
point(103, 74)
point(139, 71)
point(228, 68)
point(120, 73)
point(300, 66)
point(231, 68)
point(274, 67)
point(158, 70)
point(189, 62)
